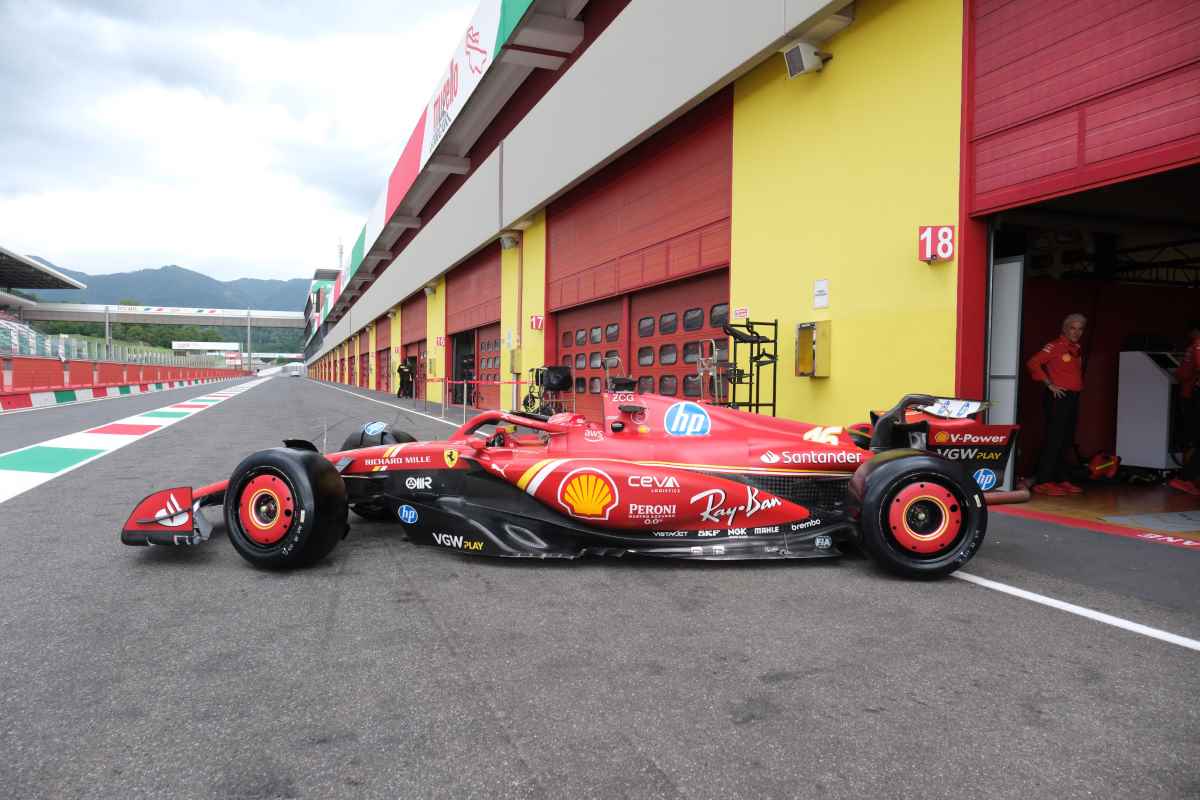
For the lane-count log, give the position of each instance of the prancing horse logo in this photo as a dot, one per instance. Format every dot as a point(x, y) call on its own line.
point(451, 457)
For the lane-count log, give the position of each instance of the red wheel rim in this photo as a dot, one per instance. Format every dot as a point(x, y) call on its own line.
point(925, 518)
point(266, 508)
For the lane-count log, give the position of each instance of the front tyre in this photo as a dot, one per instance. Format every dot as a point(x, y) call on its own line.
point(919, 515)
point(285, 508)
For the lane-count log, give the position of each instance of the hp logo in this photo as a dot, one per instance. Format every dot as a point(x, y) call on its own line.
point(985, 478)
point(408, 515)
point(687, 419)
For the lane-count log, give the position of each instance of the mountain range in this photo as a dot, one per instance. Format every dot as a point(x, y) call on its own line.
point(177, 286)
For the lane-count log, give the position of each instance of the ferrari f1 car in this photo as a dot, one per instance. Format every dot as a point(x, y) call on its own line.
point(658, 477)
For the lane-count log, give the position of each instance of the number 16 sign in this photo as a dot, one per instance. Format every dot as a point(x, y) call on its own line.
point(935, 243)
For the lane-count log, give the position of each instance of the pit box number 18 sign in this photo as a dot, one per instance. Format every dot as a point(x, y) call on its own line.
point(935, 243)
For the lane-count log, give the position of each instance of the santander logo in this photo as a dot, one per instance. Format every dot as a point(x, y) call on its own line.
point(769, 458)
point(172, 515)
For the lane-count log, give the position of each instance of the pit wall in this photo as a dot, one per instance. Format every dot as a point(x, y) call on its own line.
point(32, 382)
point(528, 260)
point(833, 173)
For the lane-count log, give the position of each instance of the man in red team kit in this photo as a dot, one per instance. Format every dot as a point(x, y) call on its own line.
point(1058, 365)
point(1188, 375)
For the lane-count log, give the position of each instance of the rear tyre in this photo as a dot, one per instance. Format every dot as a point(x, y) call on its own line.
point(920, 515)
point(285, 508)
point(373, 434)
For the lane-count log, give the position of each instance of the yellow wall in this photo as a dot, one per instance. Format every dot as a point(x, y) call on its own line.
point(832, 175)
point(371, 367)
point(394, 358)
point(435, 326)
point(530, 258)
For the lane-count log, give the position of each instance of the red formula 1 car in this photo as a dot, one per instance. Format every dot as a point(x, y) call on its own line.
point(659, 477)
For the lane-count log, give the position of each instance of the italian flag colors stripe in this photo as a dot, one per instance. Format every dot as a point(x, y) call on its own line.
point(23, 469)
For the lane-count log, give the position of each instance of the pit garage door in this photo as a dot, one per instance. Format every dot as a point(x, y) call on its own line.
point(383, 351)
point(657, 333)
point(364, 360)
point(1066, 96)
point(586, 336)
point(412, 339)
point(671, 326)
point(487, 366)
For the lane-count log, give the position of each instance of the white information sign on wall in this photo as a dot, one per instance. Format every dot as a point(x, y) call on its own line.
point(821, 293)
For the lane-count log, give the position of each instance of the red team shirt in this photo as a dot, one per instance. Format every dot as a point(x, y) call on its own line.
point(1059, 361)
point(1189, 369)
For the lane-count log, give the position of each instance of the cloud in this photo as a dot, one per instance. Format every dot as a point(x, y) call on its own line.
point(239, 138)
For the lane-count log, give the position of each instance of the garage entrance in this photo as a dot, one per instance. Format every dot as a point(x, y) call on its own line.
point(1127, 256)
point(412, 340)
point(656, 334)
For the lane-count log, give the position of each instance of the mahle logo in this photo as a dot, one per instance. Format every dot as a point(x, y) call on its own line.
point(687, 419)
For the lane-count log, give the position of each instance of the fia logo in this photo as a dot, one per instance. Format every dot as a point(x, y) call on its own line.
point(408, 515)
point(985, 478)
point(687, 419)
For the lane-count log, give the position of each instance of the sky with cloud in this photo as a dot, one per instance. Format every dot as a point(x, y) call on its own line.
point(239, 138)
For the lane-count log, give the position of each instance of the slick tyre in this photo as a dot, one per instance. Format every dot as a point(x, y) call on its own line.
point(373, 434)
point(285, 508)
point(920, 516)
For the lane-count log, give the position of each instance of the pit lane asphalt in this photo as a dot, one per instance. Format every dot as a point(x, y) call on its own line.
point(392, 670)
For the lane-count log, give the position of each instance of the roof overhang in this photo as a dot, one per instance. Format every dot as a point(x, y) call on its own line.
point(544, 37)
point(12, 301)
point(21, 272)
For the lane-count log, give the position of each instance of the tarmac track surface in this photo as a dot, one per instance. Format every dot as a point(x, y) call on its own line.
point(392, 670)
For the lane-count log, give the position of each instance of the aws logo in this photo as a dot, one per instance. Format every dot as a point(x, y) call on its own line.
point(588, 493)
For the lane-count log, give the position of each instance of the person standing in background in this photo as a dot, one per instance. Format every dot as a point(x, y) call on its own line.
point(1189, 400)
point(1059, 367)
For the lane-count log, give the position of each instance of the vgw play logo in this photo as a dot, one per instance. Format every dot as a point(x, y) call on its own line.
point(687, 419)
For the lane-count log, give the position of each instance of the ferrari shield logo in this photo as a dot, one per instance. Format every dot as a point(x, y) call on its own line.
point(451, 456)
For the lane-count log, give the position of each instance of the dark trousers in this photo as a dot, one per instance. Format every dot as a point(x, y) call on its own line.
point(1061, 414)
point(1191, 423)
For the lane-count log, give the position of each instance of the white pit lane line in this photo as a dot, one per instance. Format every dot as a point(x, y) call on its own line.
point(1071, 608)
point(389, 405)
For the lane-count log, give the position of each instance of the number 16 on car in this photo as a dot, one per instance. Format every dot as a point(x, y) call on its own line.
point(935, 243)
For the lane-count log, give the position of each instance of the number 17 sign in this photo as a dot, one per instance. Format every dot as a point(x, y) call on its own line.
point(935, 243)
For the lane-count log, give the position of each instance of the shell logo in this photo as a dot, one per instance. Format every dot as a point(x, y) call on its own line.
point(588, 493)
point(941, 437)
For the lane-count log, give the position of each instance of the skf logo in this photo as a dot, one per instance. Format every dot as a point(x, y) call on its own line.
point(418, 483)
point(172, 515)
point(588, 494)
point(687, 419)
point(451, 457)
point(941, 437)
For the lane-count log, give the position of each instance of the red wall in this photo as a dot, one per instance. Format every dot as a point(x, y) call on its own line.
point(383, 333)
point(1114, 312)
point(473, 291)
point(658, 213)
point(412, 319)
